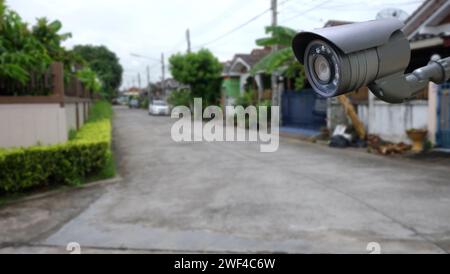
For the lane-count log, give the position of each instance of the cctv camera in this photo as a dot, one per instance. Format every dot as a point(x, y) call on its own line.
point(344, 58)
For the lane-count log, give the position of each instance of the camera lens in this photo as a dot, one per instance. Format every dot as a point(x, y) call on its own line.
point(322, 69)
point(331, 72)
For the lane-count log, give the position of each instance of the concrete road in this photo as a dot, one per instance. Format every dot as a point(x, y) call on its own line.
point(229, 197)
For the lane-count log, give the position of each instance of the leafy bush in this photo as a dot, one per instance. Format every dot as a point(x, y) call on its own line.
point(20, 52)
point(245, 100)
point(180, 98)
point(90, 80)
point(87, 154)
point(27, 51)
point(144, 102)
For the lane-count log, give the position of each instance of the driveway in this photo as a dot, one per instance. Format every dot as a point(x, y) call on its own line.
point(229, 197)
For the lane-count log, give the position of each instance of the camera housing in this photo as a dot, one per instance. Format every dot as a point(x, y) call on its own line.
point(344, 58)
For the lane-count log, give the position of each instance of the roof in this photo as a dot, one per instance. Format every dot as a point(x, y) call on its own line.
point(254, 57)
point(171, 83)
point(431, 13)
point(427, 36)
point(246, 60)
point(226, 66)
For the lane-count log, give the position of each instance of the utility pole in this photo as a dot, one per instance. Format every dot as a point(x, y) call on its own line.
point(139, 80)
point(163, 74)
point(188, 39)
point(275, 96)
point(149, 88)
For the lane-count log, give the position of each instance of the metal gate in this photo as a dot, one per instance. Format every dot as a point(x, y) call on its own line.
point(303, 109)
point(443, 133)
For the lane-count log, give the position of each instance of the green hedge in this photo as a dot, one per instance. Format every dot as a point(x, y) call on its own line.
point(70, 163)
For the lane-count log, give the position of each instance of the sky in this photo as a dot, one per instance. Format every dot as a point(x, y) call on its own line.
point(152, 27)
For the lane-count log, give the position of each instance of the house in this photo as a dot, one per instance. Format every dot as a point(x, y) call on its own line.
point(428, 30)
point(237, 78)
point(132, 92)
point(162, 90)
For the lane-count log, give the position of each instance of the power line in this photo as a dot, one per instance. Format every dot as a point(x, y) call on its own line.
point(342, 7)
point(234, 29)
point(256, 17)
point(308, 10)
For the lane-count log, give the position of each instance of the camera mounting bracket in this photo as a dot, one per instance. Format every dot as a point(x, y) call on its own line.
point(399, 87)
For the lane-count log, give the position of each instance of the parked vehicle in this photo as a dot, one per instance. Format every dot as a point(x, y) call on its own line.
point(158, 107)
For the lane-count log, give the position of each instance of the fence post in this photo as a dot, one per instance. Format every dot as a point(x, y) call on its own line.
point(57, 70)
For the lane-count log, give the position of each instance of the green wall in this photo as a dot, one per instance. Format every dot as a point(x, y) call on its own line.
point(232, 87)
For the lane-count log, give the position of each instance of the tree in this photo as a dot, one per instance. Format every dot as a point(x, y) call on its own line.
point(47, 33)
point(105, 64)
point(89, 79)
point(283, 60)
point(26, 51)
point(20, 52)
point(201, 71)
point(180, 98)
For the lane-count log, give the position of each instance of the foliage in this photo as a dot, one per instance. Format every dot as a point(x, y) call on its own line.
point(89, 79)
point(245, 99)
point(47, 33)
point(268, 105)
point(144, 102)
point(72, 134)
point(25, 51)
point(88, 153)
point(105, 64)
point(201, 71)
point(20, 52)
point(100, 111)
point(180, 98)
point(282, 60)
point(296, 71)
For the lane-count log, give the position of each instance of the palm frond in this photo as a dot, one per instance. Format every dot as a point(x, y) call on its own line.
point(274, 61)
point(280, 35)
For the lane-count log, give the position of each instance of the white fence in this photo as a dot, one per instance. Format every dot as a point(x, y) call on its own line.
point(23, 125)
point(390, 121)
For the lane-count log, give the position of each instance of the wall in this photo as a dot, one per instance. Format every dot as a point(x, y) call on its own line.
point(231, 88)
point(30, 124)
point(390, 121)
point(71, 116)
point(23, 125)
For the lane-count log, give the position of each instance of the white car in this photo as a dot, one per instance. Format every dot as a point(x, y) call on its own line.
point(158, 107)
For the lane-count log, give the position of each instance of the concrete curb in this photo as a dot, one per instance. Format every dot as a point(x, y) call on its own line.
point(362, 152)
point(63, 189)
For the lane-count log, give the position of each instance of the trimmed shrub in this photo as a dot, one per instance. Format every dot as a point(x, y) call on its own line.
point(70, 163)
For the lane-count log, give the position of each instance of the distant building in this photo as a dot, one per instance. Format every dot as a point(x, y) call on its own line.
point(132, 92)
point(162, 90)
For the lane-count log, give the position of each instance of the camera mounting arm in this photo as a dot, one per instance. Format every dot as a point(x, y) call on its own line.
point(399, 87)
